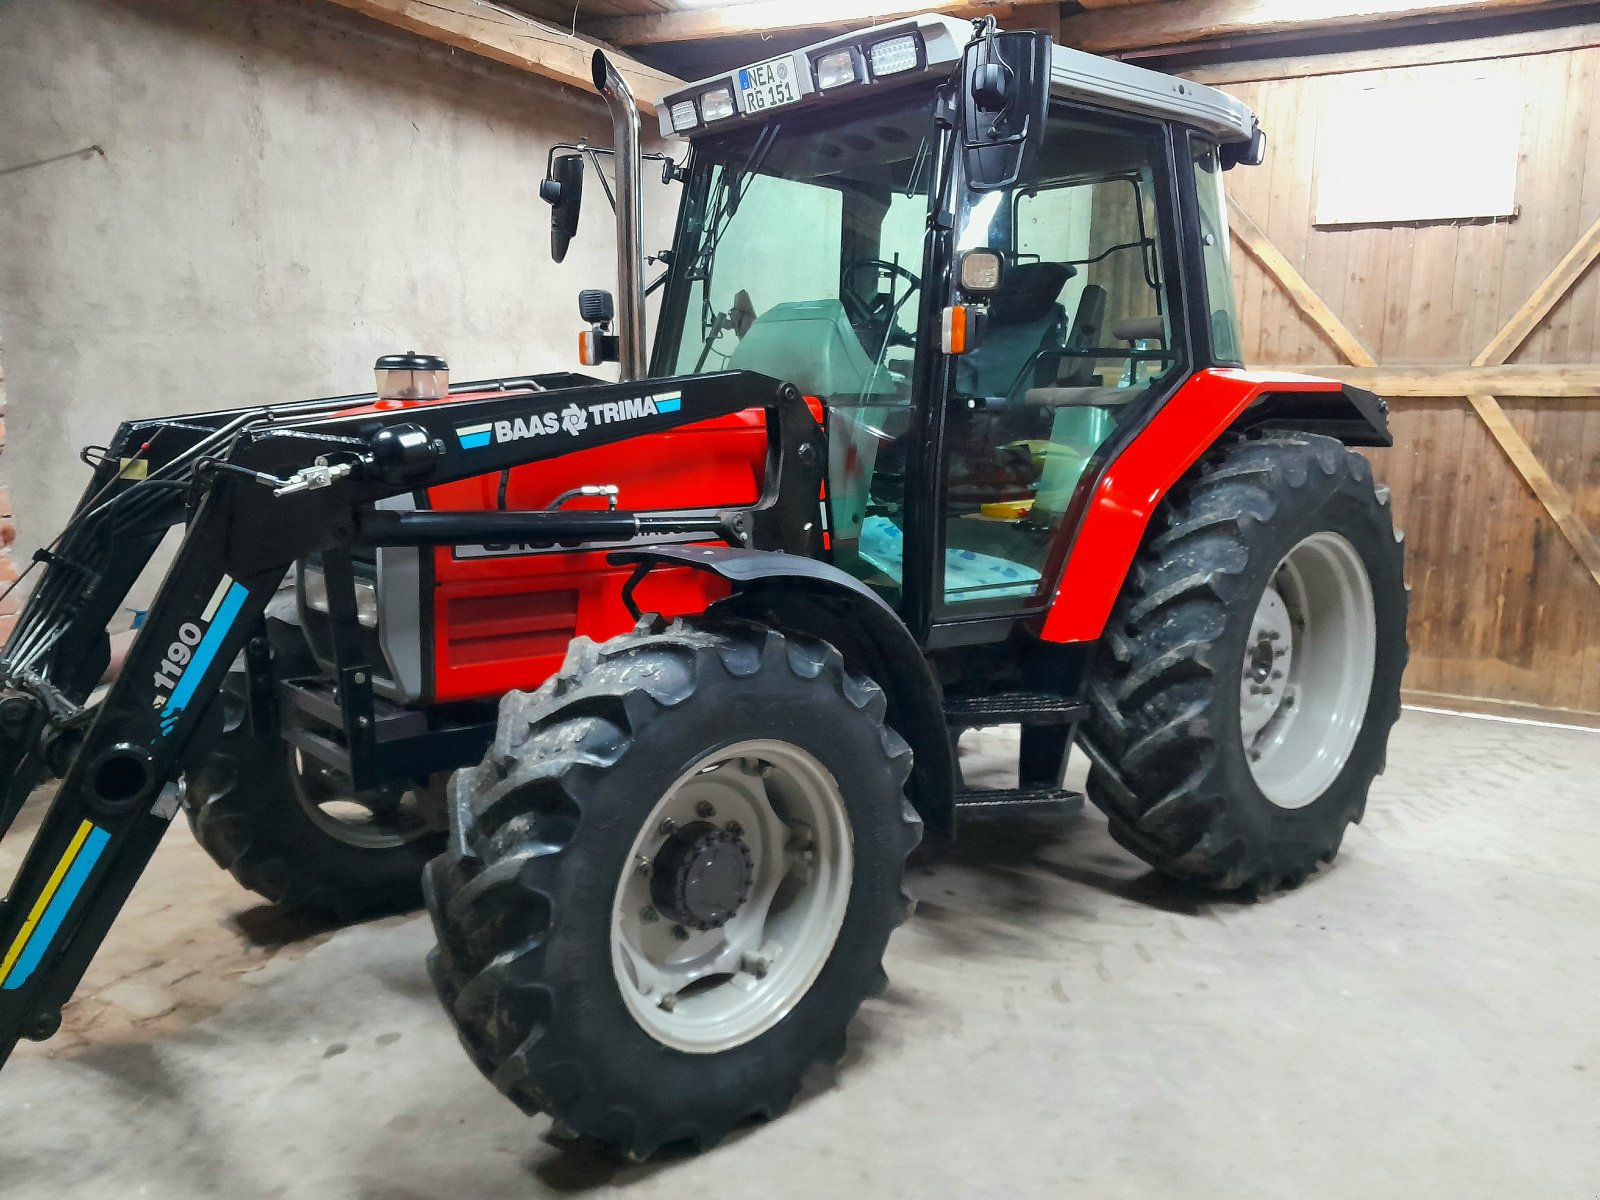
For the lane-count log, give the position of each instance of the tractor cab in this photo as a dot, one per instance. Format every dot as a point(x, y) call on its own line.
point(967, 249)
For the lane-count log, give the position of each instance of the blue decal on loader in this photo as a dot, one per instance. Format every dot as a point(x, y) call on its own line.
point(226, 611)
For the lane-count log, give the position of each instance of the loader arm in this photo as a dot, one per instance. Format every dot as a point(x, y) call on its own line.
point(260, 489)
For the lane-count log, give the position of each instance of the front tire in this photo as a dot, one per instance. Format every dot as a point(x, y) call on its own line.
point(1250, 674)
point(296, 833)
point(597, 950)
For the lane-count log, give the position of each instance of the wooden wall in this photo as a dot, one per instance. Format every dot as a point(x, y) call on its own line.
point(1501, 607)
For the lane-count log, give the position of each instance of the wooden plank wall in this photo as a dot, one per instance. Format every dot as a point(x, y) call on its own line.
point(1501, 607)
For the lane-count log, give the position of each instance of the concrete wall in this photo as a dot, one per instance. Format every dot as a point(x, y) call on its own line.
point(212, 202)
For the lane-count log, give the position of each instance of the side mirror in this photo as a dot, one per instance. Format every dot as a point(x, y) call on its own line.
point(1244, 154)
point(1005, 92)
point(563, 191)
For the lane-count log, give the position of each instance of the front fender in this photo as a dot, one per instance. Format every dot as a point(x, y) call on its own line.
point(802, 595)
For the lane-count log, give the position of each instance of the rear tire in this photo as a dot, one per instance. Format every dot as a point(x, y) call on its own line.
point(544, 873)
point(1250, 673)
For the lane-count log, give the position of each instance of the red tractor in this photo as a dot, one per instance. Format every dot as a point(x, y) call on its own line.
point(649, 687)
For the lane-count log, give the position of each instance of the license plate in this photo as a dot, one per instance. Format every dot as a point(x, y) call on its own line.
point(769, 84)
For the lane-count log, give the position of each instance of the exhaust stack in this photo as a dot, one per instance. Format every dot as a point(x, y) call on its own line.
point(630, 227)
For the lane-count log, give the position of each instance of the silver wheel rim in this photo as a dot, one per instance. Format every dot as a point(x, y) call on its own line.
point(380, 819)
point(709, 990)
point(1308, 668)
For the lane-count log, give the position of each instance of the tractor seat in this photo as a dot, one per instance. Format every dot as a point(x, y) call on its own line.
point(1025, 316)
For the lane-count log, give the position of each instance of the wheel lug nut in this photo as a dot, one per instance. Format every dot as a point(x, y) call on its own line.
point(647, 914)
point(754, 964)
point(679, 933)
point(667, 826)
point(734, 828)
point(667, 1003)
point(641, 866)
point(704, 810)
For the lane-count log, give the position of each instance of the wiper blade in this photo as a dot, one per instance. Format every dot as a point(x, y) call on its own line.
point(735, 183)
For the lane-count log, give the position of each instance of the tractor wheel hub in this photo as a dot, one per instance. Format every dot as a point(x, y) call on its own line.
point(701, 876)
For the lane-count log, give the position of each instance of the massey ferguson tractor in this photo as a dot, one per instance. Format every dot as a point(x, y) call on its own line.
point(649, 687)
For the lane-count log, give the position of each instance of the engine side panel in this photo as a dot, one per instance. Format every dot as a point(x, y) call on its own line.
point(500, 617)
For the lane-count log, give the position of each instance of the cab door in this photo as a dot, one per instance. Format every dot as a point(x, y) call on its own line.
point(1080, 341)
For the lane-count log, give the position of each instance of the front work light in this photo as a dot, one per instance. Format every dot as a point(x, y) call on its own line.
point(893, 55)
point(717, 104)
point(836, 69)
point(684, 116)
point(980, 271)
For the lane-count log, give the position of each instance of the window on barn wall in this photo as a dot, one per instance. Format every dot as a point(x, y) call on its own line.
point(1439, 149)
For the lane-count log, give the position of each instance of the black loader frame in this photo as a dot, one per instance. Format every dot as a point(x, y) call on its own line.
point(261, 488)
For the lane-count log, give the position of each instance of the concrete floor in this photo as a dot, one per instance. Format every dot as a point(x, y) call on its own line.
point(1421, 1020)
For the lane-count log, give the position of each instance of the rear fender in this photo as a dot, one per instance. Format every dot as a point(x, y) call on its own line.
point(804, 596)
point(1212, 403)
point(1354, 415)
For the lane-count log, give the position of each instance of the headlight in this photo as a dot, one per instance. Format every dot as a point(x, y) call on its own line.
point(684, 116)
point(836, 69)
point(366, 597)
point(717, 104)
point(893, 55)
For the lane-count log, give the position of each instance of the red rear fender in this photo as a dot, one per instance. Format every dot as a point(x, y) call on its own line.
point(1124, 500)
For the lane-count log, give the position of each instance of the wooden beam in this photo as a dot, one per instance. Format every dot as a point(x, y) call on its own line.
point(1180, 22)
point(1035, 16)
point(1554, 381)
point(761, 16)
point(1301, 294)
point(515, 39)
point(1545, 297)
point(1430, 54)
point(1551, 494)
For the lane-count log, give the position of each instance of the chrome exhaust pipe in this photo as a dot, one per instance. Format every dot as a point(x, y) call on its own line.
point(630, 224)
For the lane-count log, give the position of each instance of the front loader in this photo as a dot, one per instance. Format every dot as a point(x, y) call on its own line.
point(649, 687)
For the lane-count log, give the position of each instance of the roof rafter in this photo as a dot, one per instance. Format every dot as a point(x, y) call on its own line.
point(515, 39)
point(1179, 22)
point(761, 16)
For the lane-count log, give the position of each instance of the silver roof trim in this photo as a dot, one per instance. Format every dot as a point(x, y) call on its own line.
point(1075, 75)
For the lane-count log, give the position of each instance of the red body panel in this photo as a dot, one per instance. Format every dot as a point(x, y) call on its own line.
point(503, 621)
point(1117, 514)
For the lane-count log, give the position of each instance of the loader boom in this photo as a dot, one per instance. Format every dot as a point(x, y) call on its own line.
point(262, 488)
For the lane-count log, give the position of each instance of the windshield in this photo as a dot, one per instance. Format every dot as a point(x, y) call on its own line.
point(801, 258)
point(802, 254)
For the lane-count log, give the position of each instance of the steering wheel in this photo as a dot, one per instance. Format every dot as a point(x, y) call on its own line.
point(871, 314)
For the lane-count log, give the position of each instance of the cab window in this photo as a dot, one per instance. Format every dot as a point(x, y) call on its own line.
point(1220, 305)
